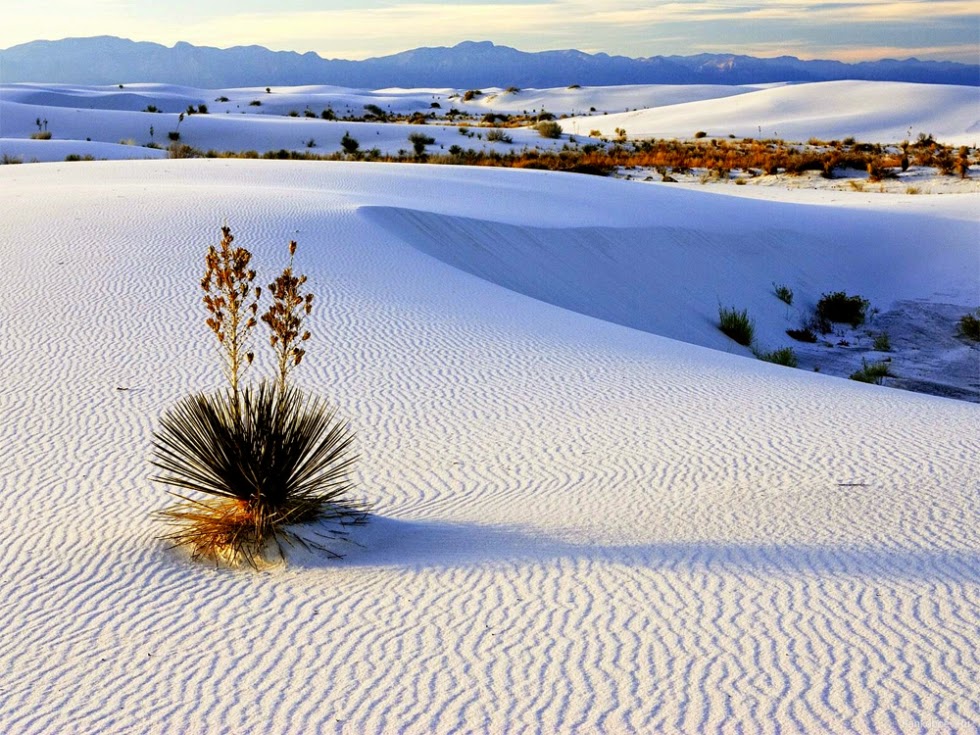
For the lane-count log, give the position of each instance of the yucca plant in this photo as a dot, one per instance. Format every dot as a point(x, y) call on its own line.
point(274, 460)
point(265, 458)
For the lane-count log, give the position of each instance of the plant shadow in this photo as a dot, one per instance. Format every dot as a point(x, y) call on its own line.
point(395, 543)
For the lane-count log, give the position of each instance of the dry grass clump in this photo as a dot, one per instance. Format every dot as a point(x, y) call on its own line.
point(265, 458)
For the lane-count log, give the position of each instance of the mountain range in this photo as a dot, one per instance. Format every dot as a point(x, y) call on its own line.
point(111, 60)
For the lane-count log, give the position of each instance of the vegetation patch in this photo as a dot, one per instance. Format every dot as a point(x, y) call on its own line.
point(840, 308)
point(872, 372)
point(783, 356)
point(737, 325)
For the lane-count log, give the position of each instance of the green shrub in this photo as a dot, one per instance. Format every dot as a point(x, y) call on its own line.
point(419, 141)
point(783, 356)
point(737, 325)
point(882, 342)
point(349, 144)
point(872, 372)
point(783, 293)
point(549, 129)
point(41, 135)
point(840, 308)
point(969, 326)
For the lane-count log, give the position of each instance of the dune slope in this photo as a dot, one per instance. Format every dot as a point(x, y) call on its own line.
point(580, 526)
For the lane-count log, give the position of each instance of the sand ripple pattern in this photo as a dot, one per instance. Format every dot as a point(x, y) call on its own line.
point(581, 528)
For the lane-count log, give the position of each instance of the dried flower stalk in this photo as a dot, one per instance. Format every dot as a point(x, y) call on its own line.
point(231, 303)
point(285, 318)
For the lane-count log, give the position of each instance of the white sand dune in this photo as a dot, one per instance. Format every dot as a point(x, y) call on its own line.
point(877, 112)
point(78, 116)
point(580, 526)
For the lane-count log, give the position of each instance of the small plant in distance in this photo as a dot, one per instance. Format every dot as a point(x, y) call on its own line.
point(266, 458)
point(841, 308)
point(803, 334)
point(783, 293)
point(783, 356)
point(969, 326)
point(349, 144)
point(737, 325)
point(882, 342)
point(872, 372)
point(549, 129)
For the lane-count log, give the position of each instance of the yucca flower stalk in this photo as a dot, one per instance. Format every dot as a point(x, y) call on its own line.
point(232, 303)
point(285, 318)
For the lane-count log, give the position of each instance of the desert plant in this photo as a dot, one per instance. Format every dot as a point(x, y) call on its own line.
point(783, 356)
point(173, 135)
point(349, 144)
point(700, 134)
point(470, 94)
point(498, 136)
point(804, 334)
point(872, 372)
point(267, 459)
point(882, 342)
point(419, 141)
point(285, 319)
point(41, 135)
point(232, 304)
point(549, 129)
point(969, 326)
point(7, 160)
point(841, 308)
point(736, 324)
point(783, 292)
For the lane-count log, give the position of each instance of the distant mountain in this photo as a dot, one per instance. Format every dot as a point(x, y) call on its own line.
point(111, 60)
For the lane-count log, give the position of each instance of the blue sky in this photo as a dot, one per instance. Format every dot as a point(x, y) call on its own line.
point(849, 31)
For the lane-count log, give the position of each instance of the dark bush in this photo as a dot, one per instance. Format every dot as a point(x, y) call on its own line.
point(840, 308)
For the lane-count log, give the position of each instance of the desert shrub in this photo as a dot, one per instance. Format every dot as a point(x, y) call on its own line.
point(700, 134)
point(7, 160)
point(202, 109)
point(151, 108)
point(255, 103)
point(783, 356)
point(803, 334)
point(872, 372)
point(349, 144)
point(293, 113)
point(173, 135)
point(374, 112)
point(969, 326)
point(841, 308)
point(737, 325)
point(222, 98)
point(498, 136)
point(470, 94)
point(783, 292)
point(182, 150)
point(41, 135)
point(882, 342)
point(267, 458)
point(328, 114)
point(309, 114)
point(549, 129)
point(419, 141)
point(74, 157)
